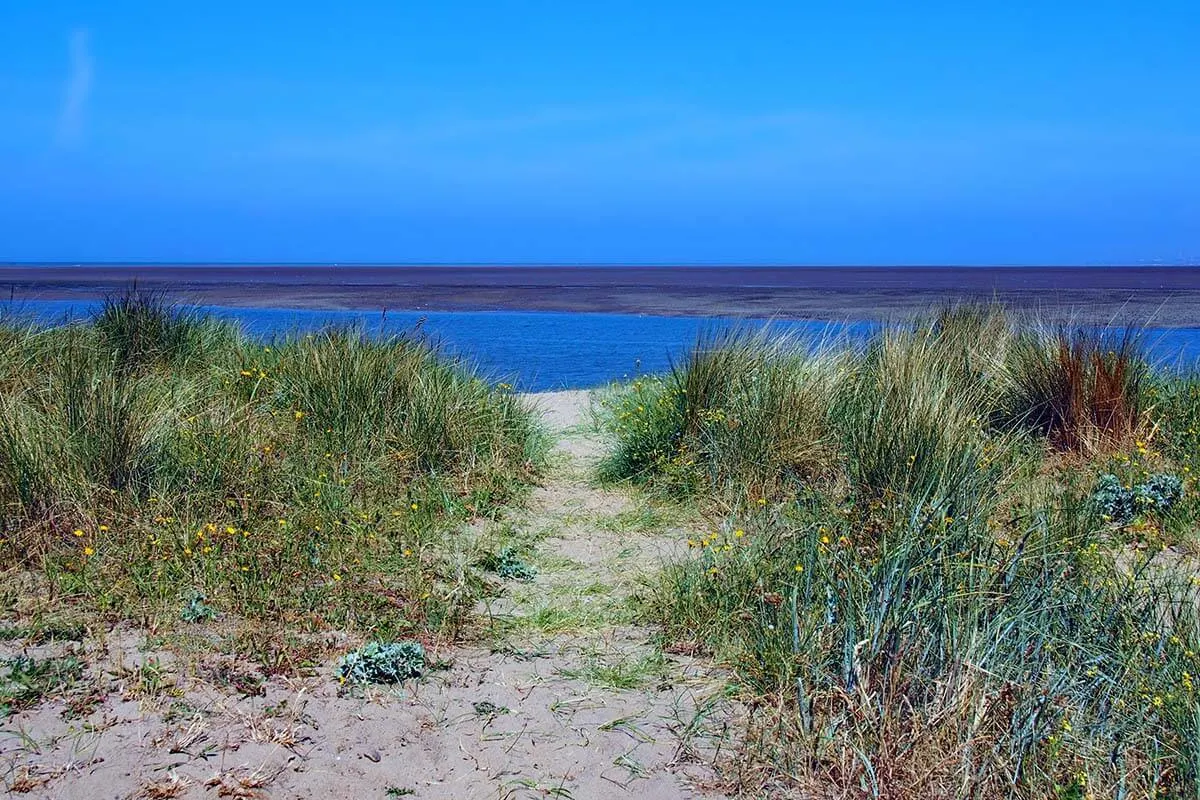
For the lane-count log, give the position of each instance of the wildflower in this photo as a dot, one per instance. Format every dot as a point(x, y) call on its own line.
point(414, 506)
point(299, 414)
point(762, 501)
point(88, 551)
point(337, 577)
point(103, 528)
point(78, 532)
point(799, 568)
point(187, 551)
point(231, 530)
point(739, 533)
point(1157, 701)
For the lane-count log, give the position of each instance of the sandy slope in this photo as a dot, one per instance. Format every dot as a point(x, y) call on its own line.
point(535, 714)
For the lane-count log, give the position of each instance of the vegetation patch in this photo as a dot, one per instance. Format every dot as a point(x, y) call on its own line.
point(509, 564)
point(1122, 503)
point(303, 484)
point(939, 563)
point(25, 681)
point(378, 662)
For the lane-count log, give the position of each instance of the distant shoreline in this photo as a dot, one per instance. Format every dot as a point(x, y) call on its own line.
point(1167, 297)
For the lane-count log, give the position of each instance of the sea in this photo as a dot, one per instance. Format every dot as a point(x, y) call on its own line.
point(544, 350)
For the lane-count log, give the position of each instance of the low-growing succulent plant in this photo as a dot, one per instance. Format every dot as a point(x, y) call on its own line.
point(1121, 504)
point(1159, 492)
point(383, 662)
point(508, 564)
point(196, 610)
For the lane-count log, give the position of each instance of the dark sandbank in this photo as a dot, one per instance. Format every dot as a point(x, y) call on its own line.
point(1159, 296)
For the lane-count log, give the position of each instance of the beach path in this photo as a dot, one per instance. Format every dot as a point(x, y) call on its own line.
point(561, 692)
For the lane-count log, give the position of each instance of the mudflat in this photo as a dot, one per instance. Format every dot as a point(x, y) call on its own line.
point(1159, 296)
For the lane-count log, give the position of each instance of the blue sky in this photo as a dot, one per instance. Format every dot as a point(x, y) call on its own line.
point(798, 132)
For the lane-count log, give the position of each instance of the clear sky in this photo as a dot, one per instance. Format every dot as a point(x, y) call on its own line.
point(939, 131)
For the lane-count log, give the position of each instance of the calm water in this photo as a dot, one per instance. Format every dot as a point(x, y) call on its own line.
point(538, 351)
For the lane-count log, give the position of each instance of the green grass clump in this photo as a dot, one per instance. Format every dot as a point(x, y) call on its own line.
point(745, 415)
point(936, 599)
point(924, 411)
point(154, 455)
point(909, 415)
point(964, 657)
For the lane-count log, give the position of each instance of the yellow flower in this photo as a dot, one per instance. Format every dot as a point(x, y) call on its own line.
point(88, 551)
point(799, 568)
point(187, 551)
point(762, 501)
point(78, 532)
point(739, 533)
point(231, 530)
point(103, 528)
point(299, 415)
point(337, 577)
point(415, 506)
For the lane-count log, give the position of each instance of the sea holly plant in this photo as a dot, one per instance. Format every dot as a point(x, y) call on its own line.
point(196, 610)
point(380, 662)
point(508, 564)
point(1121, 503)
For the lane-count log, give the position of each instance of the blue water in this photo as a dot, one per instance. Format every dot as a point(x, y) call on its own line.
point(543, 350)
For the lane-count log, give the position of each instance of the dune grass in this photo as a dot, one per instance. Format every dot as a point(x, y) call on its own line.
point(152, 455)
point(912, 574)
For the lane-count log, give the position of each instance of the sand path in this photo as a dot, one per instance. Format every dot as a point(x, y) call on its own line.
point(569, 699)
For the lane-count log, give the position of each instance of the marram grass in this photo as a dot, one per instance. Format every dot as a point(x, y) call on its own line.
point(914, 574)
point(152, 455)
